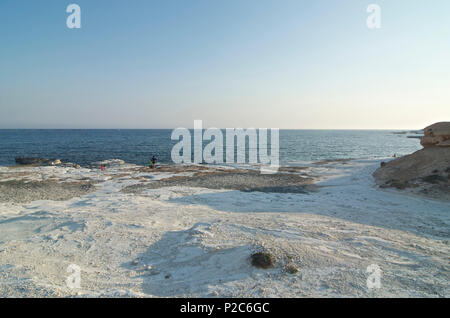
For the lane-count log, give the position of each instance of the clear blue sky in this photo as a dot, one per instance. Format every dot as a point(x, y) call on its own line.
point(232, 63)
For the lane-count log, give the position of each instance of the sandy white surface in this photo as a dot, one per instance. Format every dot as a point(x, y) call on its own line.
point(183, 241)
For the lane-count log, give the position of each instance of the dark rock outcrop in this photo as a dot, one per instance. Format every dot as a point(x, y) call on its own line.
point(37, 161)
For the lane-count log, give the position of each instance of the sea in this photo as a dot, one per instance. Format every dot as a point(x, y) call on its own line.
point(138, 146)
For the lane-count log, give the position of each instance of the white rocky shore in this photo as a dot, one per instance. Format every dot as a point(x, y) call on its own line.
point(134, 236)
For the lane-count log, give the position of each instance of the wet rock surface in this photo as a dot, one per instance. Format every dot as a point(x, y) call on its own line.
point(249, 181)
point(18, 191)
point(37, 161)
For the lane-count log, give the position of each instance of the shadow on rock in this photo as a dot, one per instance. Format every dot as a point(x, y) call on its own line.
point(182, 264)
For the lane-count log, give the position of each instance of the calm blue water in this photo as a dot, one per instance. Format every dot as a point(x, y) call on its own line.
point(137, 146)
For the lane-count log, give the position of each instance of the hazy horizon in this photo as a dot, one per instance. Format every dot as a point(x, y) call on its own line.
point(204, 128)
point(259, 63)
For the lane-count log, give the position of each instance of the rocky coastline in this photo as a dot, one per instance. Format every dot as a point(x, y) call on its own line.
point(425, 172)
